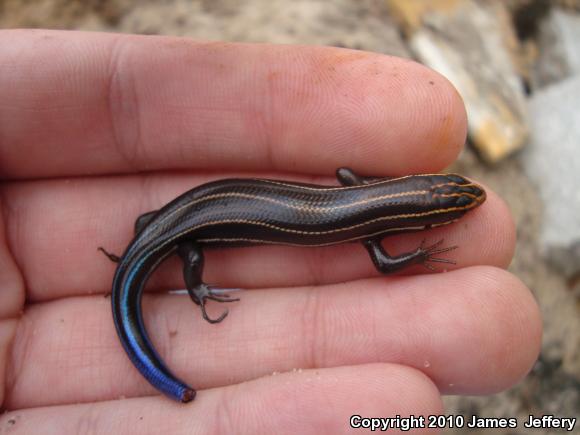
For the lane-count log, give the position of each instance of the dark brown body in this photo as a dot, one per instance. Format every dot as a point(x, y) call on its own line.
point(246, 211)
point(252, 211)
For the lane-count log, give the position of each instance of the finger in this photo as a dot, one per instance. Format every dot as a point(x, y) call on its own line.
point(56, 227)
point(310, 401)
point(94, 103)
point(475, 331)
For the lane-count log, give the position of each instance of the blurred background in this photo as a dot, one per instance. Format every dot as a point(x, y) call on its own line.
point(516, 64)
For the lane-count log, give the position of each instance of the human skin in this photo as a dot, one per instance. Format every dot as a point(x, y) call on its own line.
point(96, 129)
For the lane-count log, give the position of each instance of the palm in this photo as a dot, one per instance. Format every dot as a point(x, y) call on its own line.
point(80, 109)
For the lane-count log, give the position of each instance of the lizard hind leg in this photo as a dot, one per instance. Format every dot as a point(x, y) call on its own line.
point(193, 260)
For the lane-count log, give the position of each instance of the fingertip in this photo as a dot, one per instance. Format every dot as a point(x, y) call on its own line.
point(518, 326)
point(505, 325)
point(441, 120)
point(406, 118)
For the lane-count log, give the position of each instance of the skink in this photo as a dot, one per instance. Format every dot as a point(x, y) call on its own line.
point(240, 212)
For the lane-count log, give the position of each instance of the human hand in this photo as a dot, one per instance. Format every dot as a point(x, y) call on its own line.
point(96, 129)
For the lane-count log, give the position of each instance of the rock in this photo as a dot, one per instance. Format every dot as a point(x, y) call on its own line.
point(468, 42)
point(552, 162)
point(559, 48)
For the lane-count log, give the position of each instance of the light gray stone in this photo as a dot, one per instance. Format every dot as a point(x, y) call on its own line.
point(467, 44)
point(552, 161)
point(559, 48)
